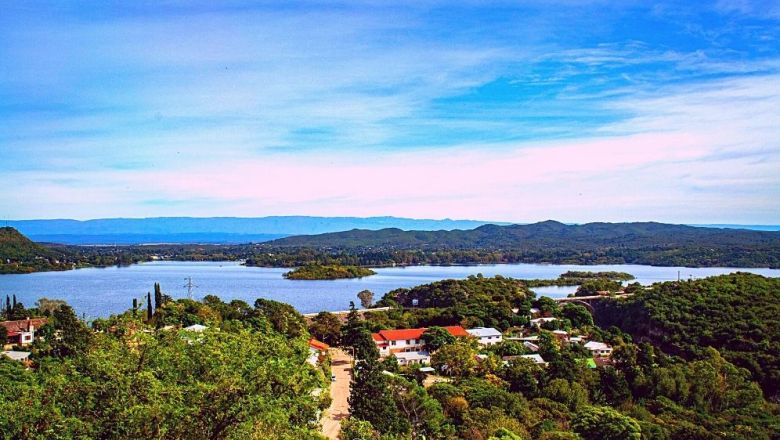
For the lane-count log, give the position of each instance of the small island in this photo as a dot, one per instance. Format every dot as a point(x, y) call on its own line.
point(327, 272)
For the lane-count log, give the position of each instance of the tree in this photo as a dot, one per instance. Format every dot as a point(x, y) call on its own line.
point(158, 296)
point(3, 336)
point(458, 359)
point(326, 327)
point(547, 306)
point(366, 298)
point(47, 306)
point(351, 328)
point(423, 413)
point(604, 423)
point(355, 429)
point(149, 309)
point(524, 376)
point(577, 314)
point(370, 400)
point(282, 317)
point(75, 336)
point(437, 337)
point(364, 346)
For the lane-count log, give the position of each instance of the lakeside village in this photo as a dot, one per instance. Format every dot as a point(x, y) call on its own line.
point(412, 348)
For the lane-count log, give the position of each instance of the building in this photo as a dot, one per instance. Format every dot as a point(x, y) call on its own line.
point(317, 350)
point(535, 358)
point(485, 335)
point(20, 356)
point(22, 332)
point(561, 335)
point(407, 340)
point(531, 346)
point(413, 358)
point(539, 321)
point(599, 349)
point(197, 328)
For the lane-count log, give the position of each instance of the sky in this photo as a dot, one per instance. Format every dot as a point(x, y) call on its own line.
point(510, 111)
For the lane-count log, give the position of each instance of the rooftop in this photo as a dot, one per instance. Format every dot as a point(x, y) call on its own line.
point(481, 332)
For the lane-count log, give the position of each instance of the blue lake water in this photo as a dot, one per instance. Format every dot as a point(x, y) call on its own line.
point(101, 292)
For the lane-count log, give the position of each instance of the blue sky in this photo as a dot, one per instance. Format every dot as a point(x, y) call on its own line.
point(514, 111)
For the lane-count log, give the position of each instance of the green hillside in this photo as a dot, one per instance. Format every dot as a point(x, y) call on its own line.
point(18, 254)
point(554, 242)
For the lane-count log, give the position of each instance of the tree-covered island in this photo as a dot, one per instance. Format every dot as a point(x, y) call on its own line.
point(327, 272)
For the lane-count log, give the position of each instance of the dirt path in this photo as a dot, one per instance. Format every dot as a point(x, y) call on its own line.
point(341, 366)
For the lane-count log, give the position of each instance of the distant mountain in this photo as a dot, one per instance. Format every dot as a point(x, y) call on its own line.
point(551, 241)
point(213, 230)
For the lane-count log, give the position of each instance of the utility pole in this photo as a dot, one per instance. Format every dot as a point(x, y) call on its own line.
point(189, 287)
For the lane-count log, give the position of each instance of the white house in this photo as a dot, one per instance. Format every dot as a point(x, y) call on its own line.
point(537, 359)
point(407, 340)
point(197, 328)
point(599, 349)
point(317, 350)
point(485, 335)
point(413, 357)
point(531, 346)
point(19, 356)
point(539, 321)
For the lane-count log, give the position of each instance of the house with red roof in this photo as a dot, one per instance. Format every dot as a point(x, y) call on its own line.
point(317, 350)
point(22, 332)
point(408, 340)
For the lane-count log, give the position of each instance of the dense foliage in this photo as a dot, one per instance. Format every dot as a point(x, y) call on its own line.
point(327, 272)
point(245, 376)
point(20, 255)
point(738, 314)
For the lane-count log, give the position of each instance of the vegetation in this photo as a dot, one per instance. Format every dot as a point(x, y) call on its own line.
point(737, 314)
point(242, 378)
point(330, 272)
point(20, 255)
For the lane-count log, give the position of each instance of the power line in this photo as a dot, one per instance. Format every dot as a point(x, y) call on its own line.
point(189, 287)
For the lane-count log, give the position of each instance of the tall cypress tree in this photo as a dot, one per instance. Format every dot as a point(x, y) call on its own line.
point(157, 296)
point(14, 303)
point(7, 307)
point(135, 306)
point(149, 310)
point(370, 399)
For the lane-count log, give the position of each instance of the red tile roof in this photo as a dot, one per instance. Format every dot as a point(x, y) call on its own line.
point(317, 345)
point(413, 333)
point(23, 325)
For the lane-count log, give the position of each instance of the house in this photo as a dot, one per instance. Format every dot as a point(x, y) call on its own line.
point(20, 356)
point(197, 328)
point(22, 332)
point(539, 321)
point(413, 358)
point(485, 335)
point(535, 358)
point(317, 350)
point(561, 335)
point(534, 312)
point(531, 346)
point(407, 340)
point(599, 349)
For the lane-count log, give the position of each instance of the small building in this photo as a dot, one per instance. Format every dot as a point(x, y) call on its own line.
point(413, 358)
point(561, 335)
point(537, 359)
point(534, 312)
point(19, 356)
point(531, 346)
point(485, 335)
point(317, 350)
point(539, 321)
point(599, 349)
point(22, 332)
point(197, 328)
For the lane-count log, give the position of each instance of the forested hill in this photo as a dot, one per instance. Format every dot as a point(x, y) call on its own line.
point(20, 255)
point(551, 241)
point(738, 314)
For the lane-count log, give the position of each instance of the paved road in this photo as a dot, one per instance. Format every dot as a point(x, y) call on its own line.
point(341, 366)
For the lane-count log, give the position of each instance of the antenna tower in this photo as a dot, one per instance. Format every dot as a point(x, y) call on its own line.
point(189, 287)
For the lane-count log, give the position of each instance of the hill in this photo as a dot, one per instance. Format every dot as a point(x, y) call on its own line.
point(213, 229)
point(737, 314)
point(554, 242)
point(18, 254)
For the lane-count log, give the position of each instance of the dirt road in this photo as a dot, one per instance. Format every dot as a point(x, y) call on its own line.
point(341, 366)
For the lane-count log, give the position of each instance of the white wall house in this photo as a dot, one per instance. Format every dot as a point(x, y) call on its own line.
point(413, 358)
point(485, 335)
point(599, 349)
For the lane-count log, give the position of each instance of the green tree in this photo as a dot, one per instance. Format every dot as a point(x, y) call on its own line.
point(458, 359)
point(577, 314)
point(326, 327)
point(523, 376)
point(283, 317)
point(3, 336)
point(366, 298)
point(604, 423)
point(149, 309)
point(356, 429)
point(75, 337)
point(370, 399)
point(437, 337)
point(422, 412)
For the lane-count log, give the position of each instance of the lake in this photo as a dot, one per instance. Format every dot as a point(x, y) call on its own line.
point(101, 292)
